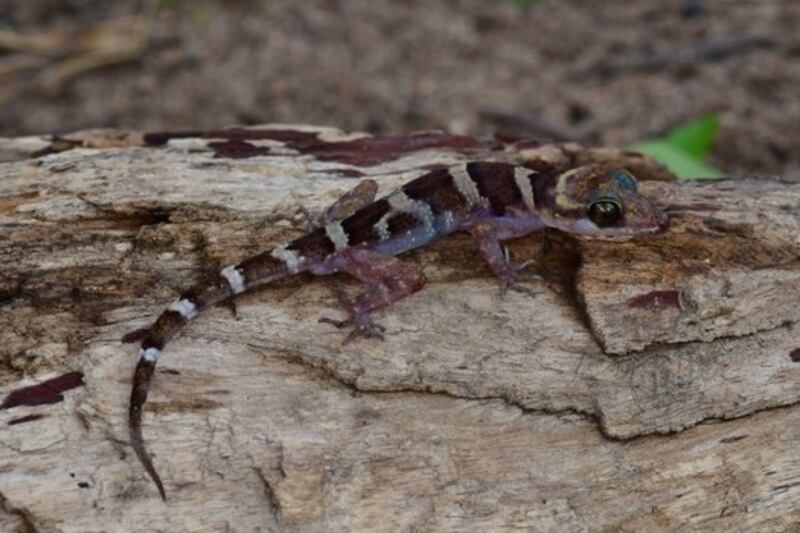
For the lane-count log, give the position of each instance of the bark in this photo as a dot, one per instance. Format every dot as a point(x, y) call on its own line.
point(650, 384)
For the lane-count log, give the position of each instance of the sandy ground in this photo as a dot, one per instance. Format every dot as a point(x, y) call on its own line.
point(610, 72)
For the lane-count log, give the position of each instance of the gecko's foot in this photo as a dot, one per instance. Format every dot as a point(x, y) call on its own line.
point(362, 323)
point(361, 328)
point(514, 274)
point(370, 330)
point(311, 220)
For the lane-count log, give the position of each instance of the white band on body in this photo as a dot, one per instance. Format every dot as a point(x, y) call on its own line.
point(337, 236)
point(522, 177)
point(465, 185)
point(290, 258)
point(185, 307)
point(234, 277)
point(149, 354)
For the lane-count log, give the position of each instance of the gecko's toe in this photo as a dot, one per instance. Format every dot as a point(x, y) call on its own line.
point(514, 274)
point(512, 281)
point(524, 290)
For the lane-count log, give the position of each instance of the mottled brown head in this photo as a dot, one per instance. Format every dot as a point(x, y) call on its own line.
point(598, 201)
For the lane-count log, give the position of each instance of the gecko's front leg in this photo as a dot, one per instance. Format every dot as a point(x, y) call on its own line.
point(487, 235)
point(388, 280)
point(359, 196)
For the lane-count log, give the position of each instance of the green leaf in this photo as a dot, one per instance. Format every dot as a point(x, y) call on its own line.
point(682, 163)
point(696, 137)
point(684, 149)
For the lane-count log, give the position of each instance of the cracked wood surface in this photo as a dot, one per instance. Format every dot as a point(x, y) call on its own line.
point(649, 385)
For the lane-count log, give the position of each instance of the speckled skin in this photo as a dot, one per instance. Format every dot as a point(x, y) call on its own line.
point(491, 201)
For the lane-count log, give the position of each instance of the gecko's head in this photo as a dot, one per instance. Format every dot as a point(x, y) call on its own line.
point(598, 201)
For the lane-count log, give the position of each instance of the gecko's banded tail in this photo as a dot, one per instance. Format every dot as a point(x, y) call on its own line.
point(232, 280)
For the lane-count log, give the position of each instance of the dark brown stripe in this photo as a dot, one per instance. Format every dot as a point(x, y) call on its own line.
point(208, 292)
point(162, 330)
point(135, 335)
point(437, 190)
point(544, 188)
point(259, 267)
point(360, 227)
point(314, 245)
point(402, 222)
point(495, 182)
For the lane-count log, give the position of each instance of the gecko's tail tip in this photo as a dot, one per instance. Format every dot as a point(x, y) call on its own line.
point(161, 490)
point(146, 461)
point(141, 384)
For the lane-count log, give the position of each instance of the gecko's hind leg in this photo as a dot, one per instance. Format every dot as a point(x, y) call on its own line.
point(359, 196)
point(499, 259)
point(388, 280)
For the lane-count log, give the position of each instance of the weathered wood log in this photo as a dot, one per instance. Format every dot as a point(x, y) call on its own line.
point(650, 384)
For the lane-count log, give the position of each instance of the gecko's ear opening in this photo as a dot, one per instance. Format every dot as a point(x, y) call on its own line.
point(605, 212)
point(624, 180)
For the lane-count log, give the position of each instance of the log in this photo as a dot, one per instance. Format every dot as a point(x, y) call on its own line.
point(649, 384)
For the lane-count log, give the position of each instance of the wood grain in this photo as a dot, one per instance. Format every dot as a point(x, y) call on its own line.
point(648, 386)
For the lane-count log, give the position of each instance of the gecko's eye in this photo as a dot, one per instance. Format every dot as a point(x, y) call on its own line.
point(605, 212)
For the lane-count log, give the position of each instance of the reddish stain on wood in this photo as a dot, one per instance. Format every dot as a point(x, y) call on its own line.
point(656, 300)
point(47, 392)
point(359, 152)
point(375, 150)
point(795, 355)
point(237, 149)
point(526, 144)
point(345, 172)
point(161, 138)
point(23, 419)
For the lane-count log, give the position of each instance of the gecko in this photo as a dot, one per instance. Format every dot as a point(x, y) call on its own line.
point(361, 236)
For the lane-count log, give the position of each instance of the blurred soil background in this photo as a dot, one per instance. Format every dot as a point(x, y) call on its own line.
point(611, 73)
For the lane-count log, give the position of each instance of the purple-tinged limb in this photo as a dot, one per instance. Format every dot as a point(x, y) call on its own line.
point(388, 280)
point(487, 237)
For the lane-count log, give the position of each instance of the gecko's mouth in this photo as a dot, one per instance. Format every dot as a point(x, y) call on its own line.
point(586, 228)
point(623, 234)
